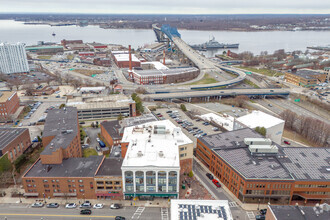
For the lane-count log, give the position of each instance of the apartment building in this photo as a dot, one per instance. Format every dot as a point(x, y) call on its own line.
point(14, 141)
point(257, 170)
point(13, 58)
point(9, 103)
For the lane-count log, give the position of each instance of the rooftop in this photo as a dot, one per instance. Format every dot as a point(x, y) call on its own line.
point(162, 72)
point(154, 144)
point(110, 167)
point(133, 121)
point(63, 124)
point(156, 65)
point(184, 209)
point(5, 95)
point(259, 118)
point(225, 121)
point(97, 105)
point(7, 135)
point(125, 57)
point(71, 167)
point(112, 127)
point(44, 47)
point(307, 73)
point(286, 212)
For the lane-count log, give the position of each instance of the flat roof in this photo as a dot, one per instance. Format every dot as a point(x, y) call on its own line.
point(44, 47)
point(225, 121)
point(154, 144)
point(125, 57)
point(157, 65)
point(184, 209)
point(259, 118)
point(71, 167)
point(63, 124)
point(89, 89)
point(308, 73)
point(133, 121)
point(289, 212)
point(110, 167)
point(112, 127)
point(7, 135)
point(5, 95)
point(162, 72)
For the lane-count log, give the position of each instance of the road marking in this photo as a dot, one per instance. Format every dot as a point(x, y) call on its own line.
point(49, 215)
point(164, 213)
point(232, 204)
point(138, 213)
point(250, 215)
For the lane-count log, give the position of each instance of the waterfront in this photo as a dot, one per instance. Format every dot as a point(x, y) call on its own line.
point(12, 31)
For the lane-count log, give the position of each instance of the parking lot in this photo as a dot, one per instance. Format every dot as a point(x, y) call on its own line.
point(192, 128)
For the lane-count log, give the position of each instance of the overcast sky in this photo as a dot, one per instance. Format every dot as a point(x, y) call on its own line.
point(168, 6)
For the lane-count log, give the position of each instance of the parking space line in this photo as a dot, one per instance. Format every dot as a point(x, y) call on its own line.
point(138, 213)
point(164, 213)
point(250, 215)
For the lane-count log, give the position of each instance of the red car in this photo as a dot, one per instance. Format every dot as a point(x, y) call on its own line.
point(287, 142)
point(216, 182)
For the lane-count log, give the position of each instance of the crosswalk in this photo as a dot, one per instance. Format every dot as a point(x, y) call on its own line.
point(250, 215)
point(164, 213)
point(232, 204)
point(138, 213)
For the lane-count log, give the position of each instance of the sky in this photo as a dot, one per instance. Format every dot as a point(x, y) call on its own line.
point(167, 6)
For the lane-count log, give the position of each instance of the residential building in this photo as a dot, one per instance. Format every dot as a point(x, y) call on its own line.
point(274, 126)
point(155, 154)
point(306, 77)
point(61, 136)
point(13, 58)
point(327, 72)
point(281, 212)
point(9, 103)
point(108, 179)
point(200, 209)
point(257, 170)
point(14, 141)
point(74, 177)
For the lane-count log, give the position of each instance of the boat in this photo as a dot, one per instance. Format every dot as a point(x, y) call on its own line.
point(213, 44)
point(53, 34)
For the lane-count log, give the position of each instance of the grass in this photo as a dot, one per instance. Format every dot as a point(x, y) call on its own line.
point(206, 80)
point(262, 71)
point(44, 57)
point(88, 72)
point(297, 137)
point(89, 152)
point(246, 81)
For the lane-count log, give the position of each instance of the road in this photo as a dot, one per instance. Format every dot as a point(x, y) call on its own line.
point(23, 211)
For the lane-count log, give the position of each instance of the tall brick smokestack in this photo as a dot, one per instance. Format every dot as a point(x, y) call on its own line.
point(164, 57)
point(130, 58)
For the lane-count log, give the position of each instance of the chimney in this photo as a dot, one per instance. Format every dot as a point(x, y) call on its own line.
point(130, 60)
point(164, 57)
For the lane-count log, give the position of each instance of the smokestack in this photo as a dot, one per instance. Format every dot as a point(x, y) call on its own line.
point(164, 57)
point(130, 58)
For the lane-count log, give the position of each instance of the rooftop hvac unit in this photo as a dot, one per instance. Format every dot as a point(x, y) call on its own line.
point(139, 154)
point(270, 149)
point(257, 141)
point(161, 154)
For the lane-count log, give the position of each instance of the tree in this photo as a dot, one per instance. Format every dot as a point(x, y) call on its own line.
point(62, 106)
point(191, 174)
point(183, 107)
point(261, 130)
point(240, 100)
point(120, 117)
point(138, 103)
point(141, 90)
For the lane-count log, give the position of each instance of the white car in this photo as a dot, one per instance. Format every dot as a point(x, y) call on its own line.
point(37, 205)
point(98, 139)
point(71, 206)
point(98, 206)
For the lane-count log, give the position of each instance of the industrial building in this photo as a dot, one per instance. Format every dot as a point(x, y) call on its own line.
point(122, 60)
point(184, 209)
point(225, 121)
point(13, 58)
point(274, 126)
point(257, 170)
point(153, 154)
point(13, 142)
point(45, 49)
point(107, 106)
point(9, 103)
point(306, 77)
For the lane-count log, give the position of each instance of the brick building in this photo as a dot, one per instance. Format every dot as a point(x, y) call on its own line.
point(122, 60)
point(110, 131)
point(61, 136)
point(9, 103)
point(257, 170)
point(14, 141)
point(306, 77)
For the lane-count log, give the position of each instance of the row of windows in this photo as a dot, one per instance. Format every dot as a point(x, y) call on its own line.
point(108, 182)
point(311, 186)
point(72, 181)
point(275, 186)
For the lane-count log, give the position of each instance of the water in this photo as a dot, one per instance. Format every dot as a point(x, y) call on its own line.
point(12, 32)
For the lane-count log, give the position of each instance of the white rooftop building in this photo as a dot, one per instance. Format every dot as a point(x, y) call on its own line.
point(274, 126)
point(225, 121)
point(151, 166)
point(185, 209)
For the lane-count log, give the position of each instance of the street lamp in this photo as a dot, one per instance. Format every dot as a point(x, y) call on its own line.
point(258, 204)
point(45, 197)
point(19, 194)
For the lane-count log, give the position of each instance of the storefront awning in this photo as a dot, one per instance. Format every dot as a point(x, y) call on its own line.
point(31, 194)
point(64, 194)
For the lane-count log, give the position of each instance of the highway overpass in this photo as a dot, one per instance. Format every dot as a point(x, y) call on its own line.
point(215, 94)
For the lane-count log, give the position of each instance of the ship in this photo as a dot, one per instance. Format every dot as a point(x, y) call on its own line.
point(213, 44)
point(324, 48)
point(53, 34)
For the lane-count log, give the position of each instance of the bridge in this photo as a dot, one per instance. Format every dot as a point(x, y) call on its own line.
point(215, 94)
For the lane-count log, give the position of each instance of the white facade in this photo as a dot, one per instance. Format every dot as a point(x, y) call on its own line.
point(151, 166)
point(274, 126)
point(13, 58)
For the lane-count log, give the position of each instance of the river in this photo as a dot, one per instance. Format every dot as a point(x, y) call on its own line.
point(12, 32)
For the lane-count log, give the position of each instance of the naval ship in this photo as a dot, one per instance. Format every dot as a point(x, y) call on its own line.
point(213, 44)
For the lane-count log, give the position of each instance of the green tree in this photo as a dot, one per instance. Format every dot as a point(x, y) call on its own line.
point(191, 174)
point(261, 130)
point(62, 106)
point(183, 107)
point(138, 103)
point(120, 117)
point(5, 163)
point(20, 161)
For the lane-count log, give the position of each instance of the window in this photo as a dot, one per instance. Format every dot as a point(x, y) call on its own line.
point(45, 181)
point(80, 181)
point(18, 149)
point(11, 155)
point(27, 181)
point(82, 190)
point(81, 185)
point(15, 152)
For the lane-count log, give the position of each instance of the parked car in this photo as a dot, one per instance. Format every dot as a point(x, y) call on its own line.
point(98, 206)
point(120, 218)
point(287, 142)
point(216, 182)
point(98, 148)
point(169, 112)
point(115, 206)
point(86, 204)
point(102, 144)
point(204, 134)
point(270, 105)
point(215, 129)
point(37, 205)
point(263, 211)
point(71, 206)
point(53, 205)
point(98, 139)
point(260, 217)
point(210, 176)
point(86, 212)
point(82, 123)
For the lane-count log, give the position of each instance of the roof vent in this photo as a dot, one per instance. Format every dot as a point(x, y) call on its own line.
point(161, 154)
point(139, 153)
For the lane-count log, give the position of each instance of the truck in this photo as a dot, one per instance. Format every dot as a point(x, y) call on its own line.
point(102, 144)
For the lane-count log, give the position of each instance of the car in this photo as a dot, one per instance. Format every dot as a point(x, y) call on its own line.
point(169, 112)
point(115, 206)
point(204, 134)
point(98, 148)
point(84, 146)
point(270, 105)
point(260, 217)
point(53, 205)
point(120, 218)
point(216, 183)
point(197, 119)
point(98, 139)
point(263, 211)
point(98, 206)
point(82, 123)
point(287, 142)
point(215, 129)
point(37, 205)
point(210, 176)
point(70, 206)
point(86, 212)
